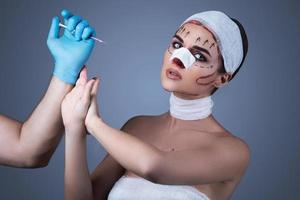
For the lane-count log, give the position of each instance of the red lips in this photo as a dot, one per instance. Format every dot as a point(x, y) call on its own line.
point(173, 74)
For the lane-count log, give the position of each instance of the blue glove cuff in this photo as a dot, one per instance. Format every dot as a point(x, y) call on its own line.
point(67, 76)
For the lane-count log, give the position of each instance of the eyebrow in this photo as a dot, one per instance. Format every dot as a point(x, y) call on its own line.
point(178, 37)
point(201, 49)
point(194, 47)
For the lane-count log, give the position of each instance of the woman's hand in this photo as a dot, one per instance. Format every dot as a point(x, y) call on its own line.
point(93, 110)
point(76, 103)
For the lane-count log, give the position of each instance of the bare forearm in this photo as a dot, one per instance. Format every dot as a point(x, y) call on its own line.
point(41, 133)
point(77, 180)
point(132, 153)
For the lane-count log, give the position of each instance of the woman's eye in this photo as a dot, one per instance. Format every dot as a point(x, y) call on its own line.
point(176, 45)
point(199, 57)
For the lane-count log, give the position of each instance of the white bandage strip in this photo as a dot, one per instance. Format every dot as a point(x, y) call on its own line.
point(185, 56)
point(190, 109)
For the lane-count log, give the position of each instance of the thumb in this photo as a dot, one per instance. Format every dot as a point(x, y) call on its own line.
point(86, 97)
point(54, 29)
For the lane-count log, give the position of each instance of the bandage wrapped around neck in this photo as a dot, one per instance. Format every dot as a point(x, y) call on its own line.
point(227, 34)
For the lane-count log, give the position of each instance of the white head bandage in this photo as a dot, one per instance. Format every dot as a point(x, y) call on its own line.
point(190, 109)
point(227, 34)
point(184, 55)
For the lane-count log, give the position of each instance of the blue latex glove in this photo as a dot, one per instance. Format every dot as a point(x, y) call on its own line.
point(72, 49)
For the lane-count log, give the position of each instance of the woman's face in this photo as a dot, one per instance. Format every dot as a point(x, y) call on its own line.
point(198, 80)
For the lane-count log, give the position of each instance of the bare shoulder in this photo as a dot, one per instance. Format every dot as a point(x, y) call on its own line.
point(236, 150)
point(136, 124)
point(136, 120)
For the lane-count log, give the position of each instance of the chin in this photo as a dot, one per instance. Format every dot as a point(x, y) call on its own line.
point(168, 85)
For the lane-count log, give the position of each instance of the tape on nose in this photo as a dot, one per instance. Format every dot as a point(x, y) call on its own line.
point(185, 56)
point(178, 62)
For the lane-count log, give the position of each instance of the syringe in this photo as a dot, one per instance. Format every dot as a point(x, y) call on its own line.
point(94, 38)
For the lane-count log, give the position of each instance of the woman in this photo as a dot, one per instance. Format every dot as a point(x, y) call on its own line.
point(184, 153)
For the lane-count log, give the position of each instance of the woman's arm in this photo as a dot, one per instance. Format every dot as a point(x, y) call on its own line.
point(31, 144)
point(220, 162)
point(74, 108)
point(132, 153)
point(77, 179)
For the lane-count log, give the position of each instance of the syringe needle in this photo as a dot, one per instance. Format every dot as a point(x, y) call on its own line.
point(94, 38)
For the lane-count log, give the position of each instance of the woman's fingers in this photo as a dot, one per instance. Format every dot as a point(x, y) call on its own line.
point(82, 77)
point(86, 96)
point(95, 86)
point(94, 105)
point(77, 91)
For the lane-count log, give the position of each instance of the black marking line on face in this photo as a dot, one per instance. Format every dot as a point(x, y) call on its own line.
point(208, 67)
point(180, 29)
point(207, 83)
point(205, 42)
point(213, 44)
point(198, 39)
point(207, 76)
point(187, 33)
point(169, 51)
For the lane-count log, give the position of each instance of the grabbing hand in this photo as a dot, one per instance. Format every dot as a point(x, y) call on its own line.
point(76, 103)
point(73, 48)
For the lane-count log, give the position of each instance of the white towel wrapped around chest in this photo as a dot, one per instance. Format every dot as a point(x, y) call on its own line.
point(136, 188)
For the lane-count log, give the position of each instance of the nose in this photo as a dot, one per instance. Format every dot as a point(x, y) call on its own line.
point(178, 63)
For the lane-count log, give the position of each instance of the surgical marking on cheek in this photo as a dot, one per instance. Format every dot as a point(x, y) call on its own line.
point(213, 44)
point(169, 51)
point(207, 83)
point(208, 67)
point(198, 39)
point(207, 76)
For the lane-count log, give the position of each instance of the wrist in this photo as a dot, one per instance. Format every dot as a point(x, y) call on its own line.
point(60, 85)
point(92, 122)
point(65, 73)
point(74, 128)
point(75, 137)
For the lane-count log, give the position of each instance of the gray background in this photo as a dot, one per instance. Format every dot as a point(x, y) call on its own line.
point(260, 105)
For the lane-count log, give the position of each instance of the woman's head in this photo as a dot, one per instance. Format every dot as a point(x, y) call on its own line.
point(207, 72)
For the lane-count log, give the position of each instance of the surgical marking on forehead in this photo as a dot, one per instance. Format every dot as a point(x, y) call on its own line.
point(213, 44)
point(180, 29)
point(205, 42)
point(187, 33)
point(198, 39)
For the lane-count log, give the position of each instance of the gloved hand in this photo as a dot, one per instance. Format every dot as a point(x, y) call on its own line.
point(73, 48)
